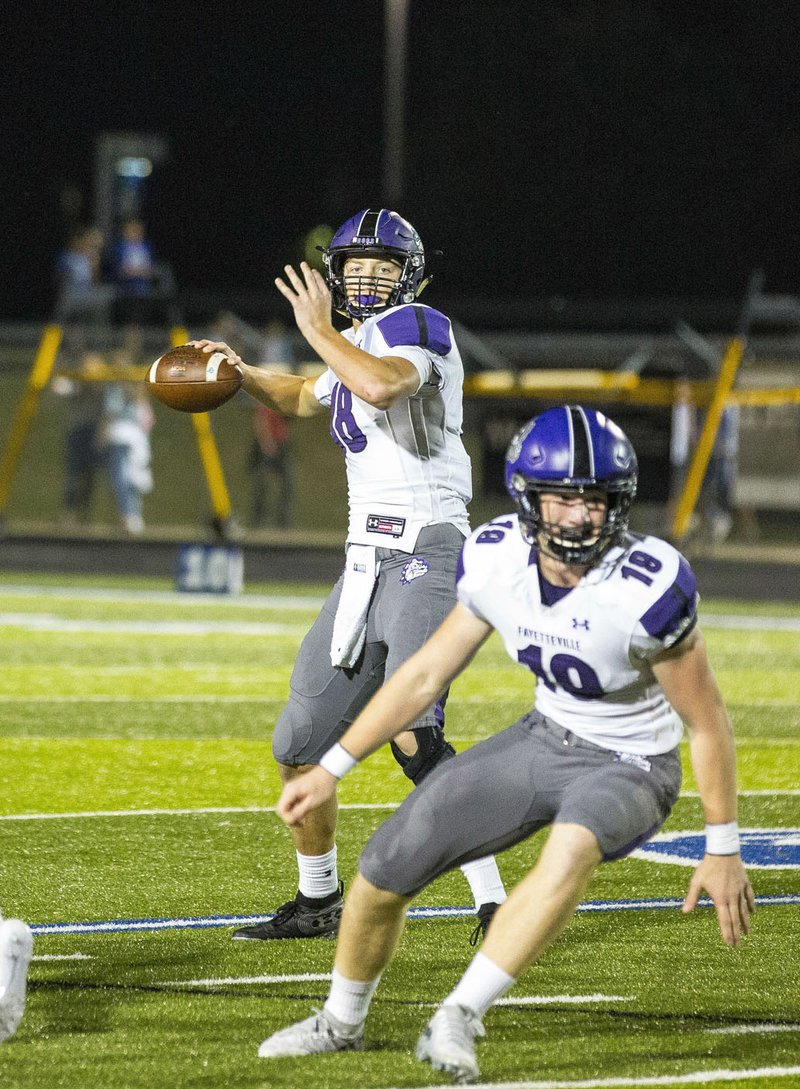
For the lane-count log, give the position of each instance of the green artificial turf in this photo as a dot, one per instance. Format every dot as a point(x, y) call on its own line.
point(102, 711)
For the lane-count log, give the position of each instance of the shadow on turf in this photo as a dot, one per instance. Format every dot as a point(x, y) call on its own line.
point(633, 1016)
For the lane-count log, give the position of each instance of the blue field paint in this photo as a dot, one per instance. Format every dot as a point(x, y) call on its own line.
point(209, 922)
point(761, 848)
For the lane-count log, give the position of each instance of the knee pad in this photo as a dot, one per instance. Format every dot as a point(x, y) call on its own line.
point(292, 734)
point(431, 750)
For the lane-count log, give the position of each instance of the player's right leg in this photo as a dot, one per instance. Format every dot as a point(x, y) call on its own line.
point(323, 699)
point(371, 927)
point(16, 946)
point(481, 798)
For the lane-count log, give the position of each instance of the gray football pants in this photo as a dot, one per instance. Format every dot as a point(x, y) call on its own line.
point(509, 786)
point(403, 612)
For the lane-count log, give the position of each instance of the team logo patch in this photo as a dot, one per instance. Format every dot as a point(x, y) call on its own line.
point(414, 569)
point(762, 848)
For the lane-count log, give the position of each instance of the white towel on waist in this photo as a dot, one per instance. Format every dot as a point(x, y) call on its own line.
point(350, 625)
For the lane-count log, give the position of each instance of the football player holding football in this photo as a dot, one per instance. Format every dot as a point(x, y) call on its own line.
point(607, 621)
point(16, 946)
point(392, 386)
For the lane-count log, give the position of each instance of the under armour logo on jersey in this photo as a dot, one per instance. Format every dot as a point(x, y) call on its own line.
point(580, 623)
point(414, 569)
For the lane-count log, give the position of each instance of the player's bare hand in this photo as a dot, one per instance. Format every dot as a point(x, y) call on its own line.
point(724, 879)
point(211, 346)
point(305, 793)
point(308, 293)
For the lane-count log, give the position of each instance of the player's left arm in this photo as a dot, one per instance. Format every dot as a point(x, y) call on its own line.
point(685, 676)
point(378, 380)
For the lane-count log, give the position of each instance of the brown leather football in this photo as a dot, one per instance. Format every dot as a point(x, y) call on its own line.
point(192, 380)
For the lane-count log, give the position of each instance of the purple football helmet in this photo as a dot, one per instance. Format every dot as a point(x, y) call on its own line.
point(570, 450)
point(372, 233)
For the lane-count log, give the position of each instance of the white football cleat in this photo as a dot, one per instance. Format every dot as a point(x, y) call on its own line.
point(448, 1042)
point(16, 946)
point(316, 1035)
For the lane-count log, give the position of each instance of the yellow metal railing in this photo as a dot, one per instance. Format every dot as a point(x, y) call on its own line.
point(40, 375)
point(614, 386)
point(26, 410)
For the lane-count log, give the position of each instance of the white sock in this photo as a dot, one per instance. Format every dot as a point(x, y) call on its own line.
point(349, 999)
point(481, 985)
point(484, 881)
point(319, 875)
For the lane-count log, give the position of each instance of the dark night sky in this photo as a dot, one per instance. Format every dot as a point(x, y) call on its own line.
point(603, 149)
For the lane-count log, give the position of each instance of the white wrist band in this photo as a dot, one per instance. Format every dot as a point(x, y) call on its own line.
point(338, 761)
point(722, 839)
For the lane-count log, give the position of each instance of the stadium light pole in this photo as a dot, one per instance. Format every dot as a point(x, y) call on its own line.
point(395, 34)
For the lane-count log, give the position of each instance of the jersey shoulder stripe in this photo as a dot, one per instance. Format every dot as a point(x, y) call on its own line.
point(417, 325)
point(675, 607)
point(655, 587)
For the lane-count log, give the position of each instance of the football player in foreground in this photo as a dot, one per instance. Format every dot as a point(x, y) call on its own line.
point(16, 946)
point(607, 621)
point(393, 389)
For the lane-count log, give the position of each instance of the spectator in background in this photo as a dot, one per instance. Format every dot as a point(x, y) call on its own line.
point(133, 264)
point(134, 272)
point(109, 428)
point(125, 444)
point(270, 459)
point(269, 456)
point(84, 405)
point(270, 466)
point(719, 486)
point(716, 510)
point(82, 297)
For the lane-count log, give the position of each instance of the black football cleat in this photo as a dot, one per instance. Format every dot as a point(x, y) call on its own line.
point(299, 918)
point(485, 915)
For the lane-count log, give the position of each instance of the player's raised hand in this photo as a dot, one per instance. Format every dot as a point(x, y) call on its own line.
point(309, 296)
point(726, 882)
point(305, 793)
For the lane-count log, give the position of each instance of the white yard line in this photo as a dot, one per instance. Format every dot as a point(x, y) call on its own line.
point(174, 812)
point(301, 603)
point(61, 956)
point(200, 810)
point(750, 623)
point(288, 602)
point(561, 999)
point(313, 977)
point(232, 981)
point(696, 1077)
point(212, 922)
point(766, 1026)
point(133, 699)
point(47, 622)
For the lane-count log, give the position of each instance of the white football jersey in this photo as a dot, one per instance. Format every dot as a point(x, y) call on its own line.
point(406, 465)
point(591, 649)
